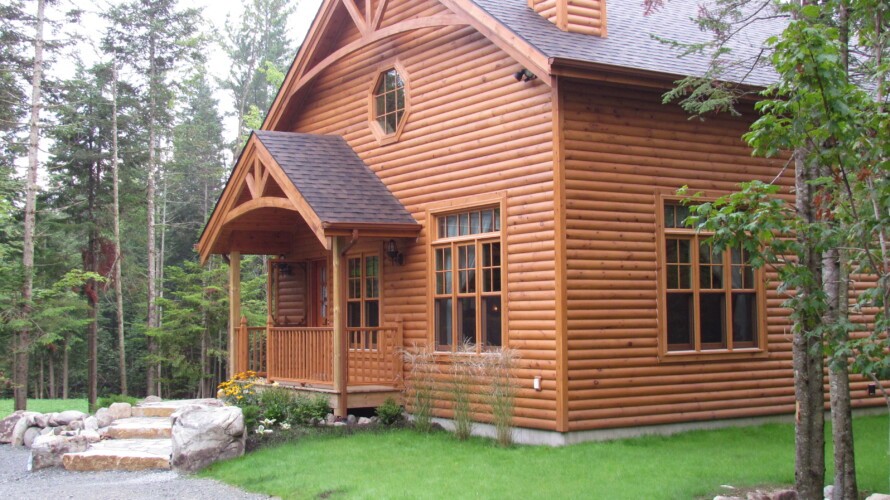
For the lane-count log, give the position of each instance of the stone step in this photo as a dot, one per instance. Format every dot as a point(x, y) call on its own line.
point(122, 454)
point(163, 408)
point(141, 428)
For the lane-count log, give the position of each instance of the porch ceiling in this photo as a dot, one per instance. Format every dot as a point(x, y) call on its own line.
point(286, 186)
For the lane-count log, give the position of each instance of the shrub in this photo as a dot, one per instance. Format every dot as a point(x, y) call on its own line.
point(251, 417)
point(464, 369)
point(277, 403)
point(501, 396)
point(305, 409)
point(421, 385)
point(389, 412)
point(239, 390)
point(106, 401)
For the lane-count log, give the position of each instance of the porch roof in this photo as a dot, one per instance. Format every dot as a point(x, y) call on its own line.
point(286, 183)
point(333, 180)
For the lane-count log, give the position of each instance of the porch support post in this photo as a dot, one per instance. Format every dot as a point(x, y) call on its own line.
point(339, 340)
point(234, 307)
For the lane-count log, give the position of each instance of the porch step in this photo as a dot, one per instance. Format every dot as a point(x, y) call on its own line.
point(141, 428)
point(162, 408)
point(122, 454)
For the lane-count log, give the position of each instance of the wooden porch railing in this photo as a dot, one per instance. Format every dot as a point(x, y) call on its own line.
point(374, 356)
point(305, 355)
point(301, 355)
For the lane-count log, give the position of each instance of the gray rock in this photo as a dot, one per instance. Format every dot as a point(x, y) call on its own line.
point(47, 451)
point(91, 436)
point(91, 423)
point(76, 425)
point(206, 434)
point(330, 419)
point(66, 418)
point(47, 431)
point(120, 410)
point(828, 491)
point(784, 495)
point(151, 399)
point(364, 421)
point(104, 417)
point(757, 495)
point(350, 419)
point(878, 496)
point(30, 434)
point(18, 432)
point(8, 424)
point(721, 497)
point(374, 420)
point(43, 421)
point(339, 424)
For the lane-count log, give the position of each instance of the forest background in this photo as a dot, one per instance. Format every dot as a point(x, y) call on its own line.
point(136, 111)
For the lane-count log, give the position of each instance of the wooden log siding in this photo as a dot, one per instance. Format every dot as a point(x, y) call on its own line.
point(473, 130)
point(621, 146)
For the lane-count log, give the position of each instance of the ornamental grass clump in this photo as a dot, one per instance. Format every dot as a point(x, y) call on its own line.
point(464, 372)
point(420, 386)
point(501, 397)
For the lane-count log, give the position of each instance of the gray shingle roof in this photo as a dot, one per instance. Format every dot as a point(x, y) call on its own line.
point(629, 43)
point(333, 180)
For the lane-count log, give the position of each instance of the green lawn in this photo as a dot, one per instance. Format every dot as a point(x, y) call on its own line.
point(45, 405)
point(405, 464)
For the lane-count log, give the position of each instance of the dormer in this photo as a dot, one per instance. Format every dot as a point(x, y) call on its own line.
point(577, 16)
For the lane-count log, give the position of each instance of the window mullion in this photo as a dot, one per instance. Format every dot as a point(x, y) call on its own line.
point(696, 294)
point(477, 276)
point(455, 285)
point(727, 286)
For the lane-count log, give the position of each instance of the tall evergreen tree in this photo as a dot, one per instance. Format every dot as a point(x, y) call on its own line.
point(153, 37)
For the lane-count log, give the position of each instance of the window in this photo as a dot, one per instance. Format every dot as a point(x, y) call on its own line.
point(363, 301)
point(709, 300)
point(389, 101)
point(467, 275)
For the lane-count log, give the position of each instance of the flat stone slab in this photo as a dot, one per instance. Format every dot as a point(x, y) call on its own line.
point(141, 428)
point(122, 454)
point(166, 408)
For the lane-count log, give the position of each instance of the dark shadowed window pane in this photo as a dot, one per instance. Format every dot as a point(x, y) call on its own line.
point(354, 314)
point(372, 313)
point(491, 321)
point(680, 319)
point(466, 317)
point(712, 315)
point(744, 319)
point(487, 221)
point(443, 322)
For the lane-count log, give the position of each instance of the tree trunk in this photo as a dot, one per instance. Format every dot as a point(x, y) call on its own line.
point(23, 343)
point(845, 486)
point(52, 377)
point(40, 382)
point(809, 466)
point(65, 367)
point(152, 318)
point(118, 275)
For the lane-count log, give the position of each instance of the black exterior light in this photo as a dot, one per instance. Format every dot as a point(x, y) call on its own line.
point(524, 75)
point(392, 251)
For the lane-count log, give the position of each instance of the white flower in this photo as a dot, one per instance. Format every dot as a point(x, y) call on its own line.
point(285, 425)
point(260, 429)
point(268, 421)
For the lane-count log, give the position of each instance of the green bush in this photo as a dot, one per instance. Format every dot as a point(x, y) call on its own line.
point(251, 417)
point(389, 412)
point(105, 402)
point(277, 403)
point(305, 409)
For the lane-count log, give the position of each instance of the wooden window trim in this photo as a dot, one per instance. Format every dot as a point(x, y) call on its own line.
point(434, 242)
point(382, 137)
point(696, 353)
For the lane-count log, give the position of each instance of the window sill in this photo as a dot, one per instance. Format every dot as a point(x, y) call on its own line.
point(712, 355)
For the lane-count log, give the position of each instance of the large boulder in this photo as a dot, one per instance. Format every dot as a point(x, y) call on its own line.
point(206, 434)
point(30, 434)
point(8, 424)
point(66, 418)
point(120, 410)
point(21, 426)
point(104, 416)
point(47, 451)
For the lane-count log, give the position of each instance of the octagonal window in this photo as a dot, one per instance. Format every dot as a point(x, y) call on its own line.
point(389, 101)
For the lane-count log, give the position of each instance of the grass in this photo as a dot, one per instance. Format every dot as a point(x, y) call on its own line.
point(407, 464)
point(45, 405)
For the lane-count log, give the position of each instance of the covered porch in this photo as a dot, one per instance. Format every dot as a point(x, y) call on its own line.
point(310, 201)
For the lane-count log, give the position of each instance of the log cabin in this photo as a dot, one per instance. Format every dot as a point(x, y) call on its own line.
point(503, 173)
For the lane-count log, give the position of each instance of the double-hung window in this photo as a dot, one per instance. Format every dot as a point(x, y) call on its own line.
point(468, 279)
point(709, 300)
